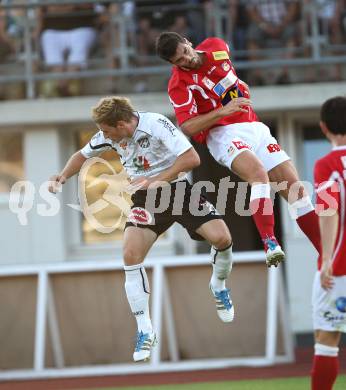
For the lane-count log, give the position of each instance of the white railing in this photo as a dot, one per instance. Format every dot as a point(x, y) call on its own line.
point(161, 306)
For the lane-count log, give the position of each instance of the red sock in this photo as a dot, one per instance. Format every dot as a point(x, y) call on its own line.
point(324, 372)
point(262, 213)
point(309, 225)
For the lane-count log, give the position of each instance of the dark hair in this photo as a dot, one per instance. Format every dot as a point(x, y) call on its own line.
point(167, 43)
point(333, 114)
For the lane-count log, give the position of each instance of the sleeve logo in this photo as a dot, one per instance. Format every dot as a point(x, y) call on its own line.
point(220, 55)
point(167, 126)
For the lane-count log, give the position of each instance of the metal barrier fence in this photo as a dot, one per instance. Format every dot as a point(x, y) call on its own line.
point(276, 320)
point(124, 54)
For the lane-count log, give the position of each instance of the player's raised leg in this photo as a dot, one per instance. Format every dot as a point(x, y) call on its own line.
point(137, 242)
point(300, 205)
point(249, 168)
point(218, 235)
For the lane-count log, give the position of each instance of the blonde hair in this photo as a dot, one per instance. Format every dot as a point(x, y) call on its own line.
point(112, 109)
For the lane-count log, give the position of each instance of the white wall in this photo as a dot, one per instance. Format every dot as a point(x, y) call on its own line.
point(47, 145)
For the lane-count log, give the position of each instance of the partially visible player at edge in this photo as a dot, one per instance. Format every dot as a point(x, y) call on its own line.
point(212, 105)
point(165, 152)
point(329, 288)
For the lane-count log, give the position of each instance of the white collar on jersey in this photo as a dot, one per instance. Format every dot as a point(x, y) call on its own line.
point(339, 147)
point(141, 126)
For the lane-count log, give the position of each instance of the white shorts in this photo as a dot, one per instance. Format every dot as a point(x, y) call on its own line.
point(76, 42)
point(329, 306)
point(225, 143)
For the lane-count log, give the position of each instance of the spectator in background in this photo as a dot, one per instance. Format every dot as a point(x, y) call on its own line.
point(11, 47)
point(117, 29)
point(153, 17)
point(196, 17)
point(330, 16)
point(238, 19)
point(68, 32)
point(6, 46)
point(272, 24)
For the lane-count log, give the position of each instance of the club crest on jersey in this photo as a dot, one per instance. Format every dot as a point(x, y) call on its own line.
point(208, 83)
point(226, 66)
point(139, 215)
point(123, 145)
point(144, 142)
point(220, 55)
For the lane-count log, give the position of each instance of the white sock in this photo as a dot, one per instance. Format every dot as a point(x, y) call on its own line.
point(326, 350)
point(222, 266)
point(138, 292)
point(300, 207)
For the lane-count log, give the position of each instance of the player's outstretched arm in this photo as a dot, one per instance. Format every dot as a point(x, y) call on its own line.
point(72, 167)
point(204, 121)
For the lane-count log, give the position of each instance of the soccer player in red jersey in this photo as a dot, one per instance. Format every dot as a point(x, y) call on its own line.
point(329, 289)
point(212, 105)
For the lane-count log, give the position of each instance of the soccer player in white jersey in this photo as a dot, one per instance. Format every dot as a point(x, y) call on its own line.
point(153, 150)
point(212, 105)
point(329, 288)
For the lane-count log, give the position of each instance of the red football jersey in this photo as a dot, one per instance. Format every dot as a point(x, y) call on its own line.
point(330, 185)
point(215, 83)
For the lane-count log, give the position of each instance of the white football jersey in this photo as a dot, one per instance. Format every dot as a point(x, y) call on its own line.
point(153, 148)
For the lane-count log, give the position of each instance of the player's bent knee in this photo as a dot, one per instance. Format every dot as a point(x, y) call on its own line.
point(222, 240)
point(132, 257)
point(259, 175)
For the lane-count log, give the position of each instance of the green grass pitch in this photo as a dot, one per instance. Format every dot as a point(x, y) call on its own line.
point(258, 384)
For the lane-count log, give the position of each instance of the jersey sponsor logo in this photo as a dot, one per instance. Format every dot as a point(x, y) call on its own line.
point(208, 83)
point(211, 70)
point(340, 304)
point(241, 145)
point(167, 125)
point(141, 163)
point(230, 94)
point(226, 66)
point(138, 313)
point(272, 148)
point(139, 215)
point(334, 319)
point(144, 142)
point(212, 210)
point(220, 55)
point(227, 82)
